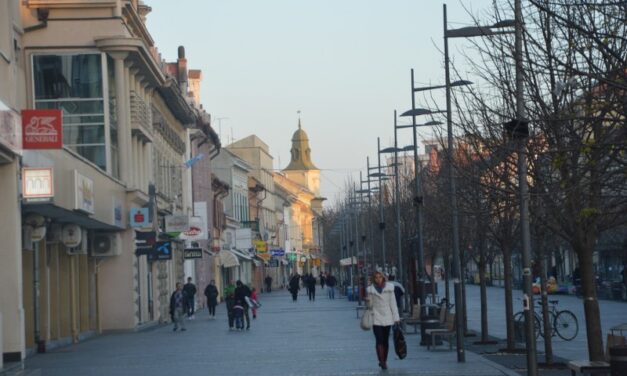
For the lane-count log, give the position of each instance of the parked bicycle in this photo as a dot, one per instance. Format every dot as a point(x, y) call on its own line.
point(563, 323)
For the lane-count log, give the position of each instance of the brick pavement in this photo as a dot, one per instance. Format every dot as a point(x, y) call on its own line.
point(303, 338)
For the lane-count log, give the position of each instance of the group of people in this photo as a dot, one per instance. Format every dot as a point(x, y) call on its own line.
point(183, 299)
point(309, 282)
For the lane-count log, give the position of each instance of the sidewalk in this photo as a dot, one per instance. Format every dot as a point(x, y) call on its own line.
point(303, 338)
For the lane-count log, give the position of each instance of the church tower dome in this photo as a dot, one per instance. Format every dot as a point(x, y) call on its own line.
point(301, 152)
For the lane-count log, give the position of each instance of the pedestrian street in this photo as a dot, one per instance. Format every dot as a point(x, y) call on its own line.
point(302, 338)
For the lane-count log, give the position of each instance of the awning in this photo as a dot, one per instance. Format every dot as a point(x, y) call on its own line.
point(62, 215)
point(241, 255)
point(228, 259)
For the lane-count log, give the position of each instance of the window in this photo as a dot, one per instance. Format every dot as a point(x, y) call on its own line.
point(74, 84)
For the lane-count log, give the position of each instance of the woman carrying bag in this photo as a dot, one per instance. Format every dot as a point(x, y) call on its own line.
point(382, 303)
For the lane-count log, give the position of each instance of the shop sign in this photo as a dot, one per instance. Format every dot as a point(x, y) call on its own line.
point(261, 246)
point(84, 193)
point(273, 263)
point(264, 256)
point(277, 252)
point(145, 242)
point(161, 251)
point(42, 129)
point(196, 230)
point(139, 217)
point(192, 253)
point(37, 184)
point(176, 223)
point(292, 256)
point(10, 129)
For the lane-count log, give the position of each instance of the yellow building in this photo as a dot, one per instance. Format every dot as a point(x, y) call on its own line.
point(300, 180)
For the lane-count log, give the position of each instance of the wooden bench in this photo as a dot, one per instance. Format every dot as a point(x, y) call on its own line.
point(447, 331)
point(587, 367)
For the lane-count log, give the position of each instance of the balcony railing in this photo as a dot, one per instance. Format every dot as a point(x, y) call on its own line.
point(253, 225)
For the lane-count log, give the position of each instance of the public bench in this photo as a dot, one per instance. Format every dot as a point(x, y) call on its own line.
point(447, 331)
point(588, 367)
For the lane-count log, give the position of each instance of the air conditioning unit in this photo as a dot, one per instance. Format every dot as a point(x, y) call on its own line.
point(82, 248)
point(106, 244)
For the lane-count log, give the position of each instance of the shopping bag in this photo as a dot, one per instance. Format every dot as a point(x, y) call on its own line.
point(367, 320)
point(400, 346)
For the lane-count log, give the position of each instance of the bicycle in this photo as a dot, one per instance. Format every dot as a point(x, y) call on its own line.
point(563, 323)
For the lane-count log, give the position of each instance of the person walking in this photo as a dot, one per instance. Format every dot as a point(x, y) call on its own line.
point(311, 287)
point(268, 282)
point(322, 280)
point(190, 291)
point(241, 293)
point(331, 282)
point(382, 302)
point(230, 303)
point(178, 305)
point(399, 291)
point(211, 293)
point(294, 286)
point(238, 314)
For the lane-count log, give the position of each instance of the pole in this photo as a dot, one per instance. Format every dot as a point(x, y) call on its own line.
point(381, 219)
point(397, 195)
point(530, 337)
point(370, 230)
point(417, 200)
point(459, 303)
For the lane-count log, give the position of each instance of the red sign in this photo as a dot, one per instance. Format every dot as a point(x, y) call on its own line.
point(42, 129)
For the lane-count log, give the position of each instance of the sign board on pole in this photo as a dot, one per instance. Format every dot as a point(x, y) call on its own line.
point(139, 217)
point(195, 231)
point(42, 129)
point(162, 251)
point(277, 252)
point(176, 223)
point(192, 253)
point(145, 242)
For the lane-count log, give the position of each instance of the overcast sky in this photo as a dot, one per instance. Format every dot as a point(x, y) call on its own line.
point(345, 64)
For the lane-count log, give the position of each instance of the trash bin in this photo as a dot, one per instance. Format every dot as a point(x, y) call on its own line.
point(618, 360)
point(429, 320)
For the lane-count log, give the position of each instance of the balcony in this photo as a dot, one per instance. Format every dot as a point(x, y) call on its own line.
point(253, 225)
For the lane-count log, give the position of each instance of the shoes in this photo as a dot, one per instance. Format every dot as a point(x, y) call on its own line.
point(254, 317)
point(231, 329)
point(383, 365)
point(248, 328)
point(174, 330)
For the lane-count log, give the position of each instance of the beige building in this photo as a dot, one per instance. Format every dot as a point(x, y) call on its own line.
point(126, 138)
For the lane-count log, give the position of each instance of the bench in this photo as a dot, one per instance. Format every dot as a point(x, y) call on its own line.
point(587, 367)
point(447, 331)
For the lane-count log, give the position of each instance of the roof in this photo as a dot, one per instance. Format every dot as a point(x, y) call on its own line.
point(301, 152)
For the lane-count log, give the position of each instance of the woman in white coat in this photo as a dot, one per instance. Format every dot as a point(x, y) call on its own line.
point(382, 301)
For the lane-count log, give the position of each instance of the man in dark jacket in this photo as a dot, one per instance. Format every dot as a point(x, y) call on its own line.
point(311, 287)
point(331, 282)
point(178, 304)
point(294, 286)
point(268, 282)
point(241, 292)
point(211, 292)
point(190, 292)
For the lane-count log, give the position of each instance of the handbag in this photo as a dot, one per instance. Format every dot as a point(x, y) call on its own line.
point(367, 320)
point(400, 346)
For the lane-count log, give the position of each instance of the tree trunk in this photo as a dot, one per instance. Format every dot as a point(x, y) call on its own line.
point(590, 302)
point(546, 318)
point(483, 293)
point(509, 307)
point(447, 271)
point(464, 311)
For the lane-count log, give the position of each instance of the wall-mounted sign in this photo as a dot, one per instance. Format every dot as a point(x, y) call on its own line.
point(10, 129)
point(145, 242)
point(71, 235)
point(176, 223)
point(42, 129)
point(277, 252)
point(37, 184)
point(139, 217)
point(161, 251)
point(83, 193)
point(196, 230)
point(261, 246)
point(192, 253)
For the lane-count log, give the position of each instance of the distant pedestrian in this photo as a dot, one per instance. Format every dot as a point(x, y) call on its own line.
point(230, 303)
point(241, 293)
point(322, 280)
point(311, 287)
point(382, 301)
point(268, 282)
point(294, 286)
point(238, 314)
point(331, 283)
point(253, 296)
point(399, 291)
point(211, 293)
point(178, 304)
point(190, 290)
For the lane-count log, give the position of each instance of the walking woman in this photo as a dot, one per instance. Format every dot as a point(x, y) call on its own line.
point(294, 286)
point(382, 301)
point(211, 292)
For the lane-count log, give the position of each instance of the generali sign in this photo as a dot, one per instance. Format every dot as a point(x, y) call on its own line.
point(42, 129)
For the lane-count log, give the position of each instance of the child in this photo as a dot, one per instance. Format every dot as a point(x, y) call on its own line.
point(230, 303)
point(238, 314)
point(253, 296)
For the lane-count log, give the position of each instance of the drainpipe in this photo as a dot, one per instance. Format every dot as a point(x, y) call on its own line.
point(41, 345)
point(42, 16)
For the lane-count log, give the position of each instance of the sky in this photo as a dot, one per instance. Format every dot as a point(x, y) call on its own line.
point(344, 64)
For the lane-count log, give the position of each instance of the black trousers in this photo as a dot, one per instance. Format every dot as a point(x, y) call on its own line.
point(212, 309)
point(382, 335)
point(312, 293)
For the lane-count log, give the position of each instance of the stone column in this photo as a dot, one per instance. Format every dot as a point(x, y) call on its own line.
point(124, 128)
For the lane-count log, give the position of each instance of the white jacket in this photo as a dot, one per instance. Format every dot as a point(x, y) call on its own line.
point(383, 305)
